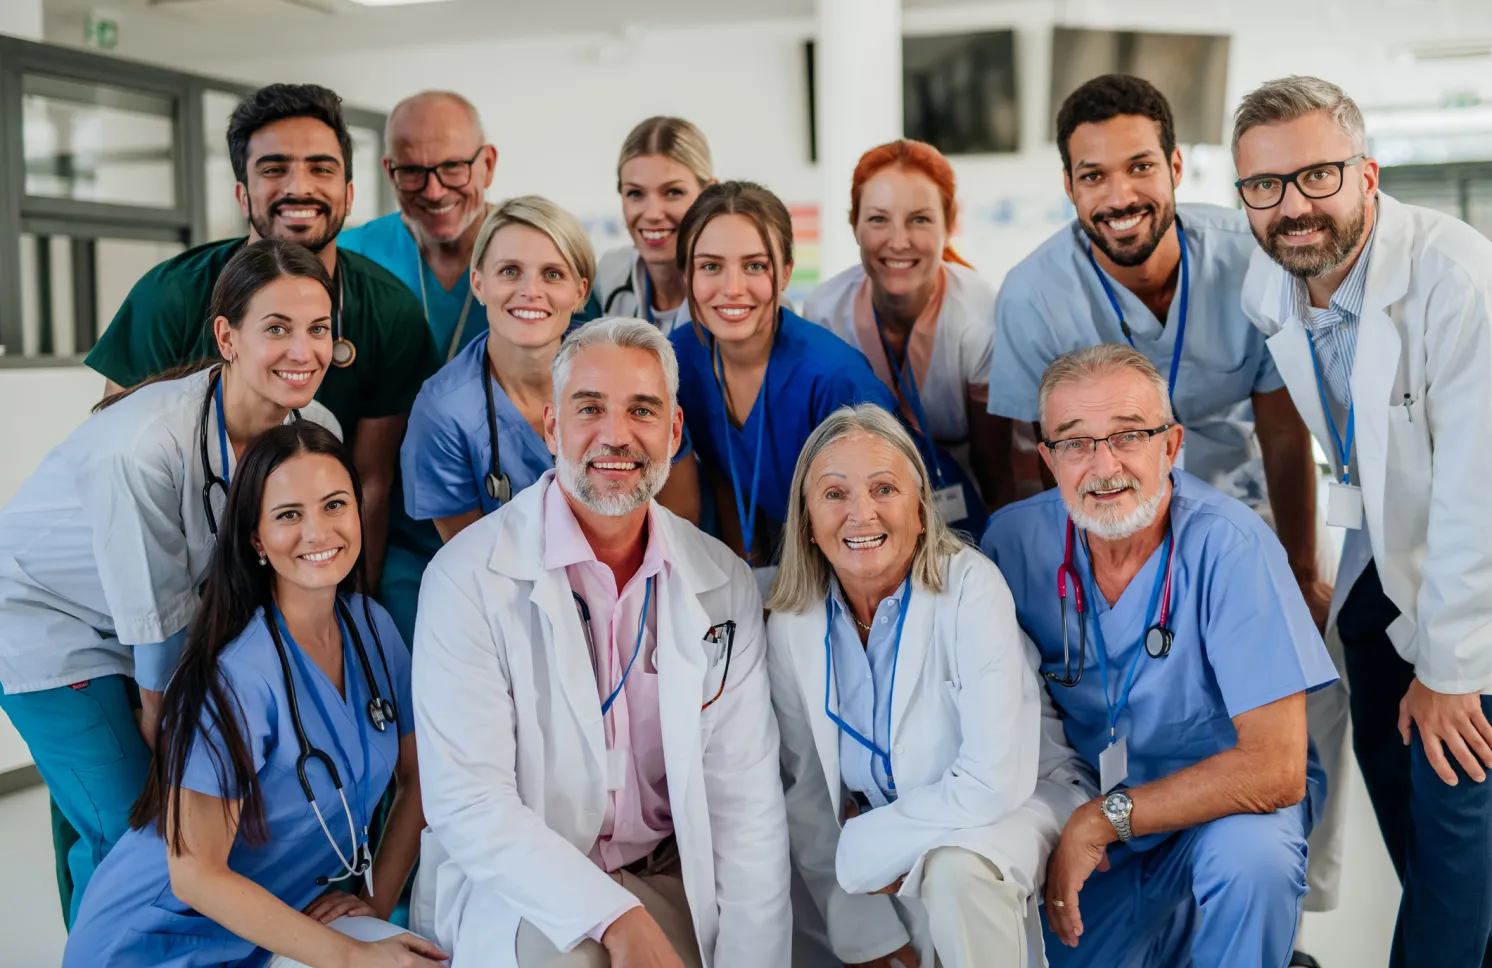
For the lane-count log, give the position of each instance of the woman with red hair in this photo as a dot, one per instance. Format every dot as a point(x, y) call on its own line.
point(921, 315)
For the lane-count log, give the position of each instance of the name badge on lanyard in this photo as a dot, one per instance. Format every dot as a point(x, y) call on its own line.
point(1343, 498)
point(1113, 765)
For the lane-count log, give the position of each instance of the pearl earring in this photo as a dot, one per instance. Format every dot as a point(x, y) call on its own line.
point(263, 560)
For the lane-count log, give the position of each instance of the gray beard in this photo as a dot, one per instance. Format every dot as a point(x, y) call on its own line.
point(577, 483)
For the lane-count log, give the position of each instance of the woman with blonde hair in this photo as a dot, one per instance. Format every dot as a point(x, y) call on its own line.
point(476, 433)
point(664, 165)
point(927, 778)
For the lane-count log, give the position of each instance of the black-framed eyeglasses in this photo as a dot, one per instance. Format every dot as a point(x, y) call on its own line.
point(1313, 181)
point(451, 174)
point(1122, 443)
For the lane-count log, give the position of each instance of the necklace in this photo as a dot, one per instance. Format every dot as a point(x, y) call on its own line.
point(858, 622)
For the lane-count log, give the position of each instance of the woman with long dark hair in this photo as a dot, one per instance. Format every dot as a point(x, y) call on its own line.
point(102, 550)
point(287, 716)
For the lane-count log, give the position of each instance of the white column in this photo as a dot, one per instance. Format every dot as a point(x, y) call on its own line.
point(858, 77)
point(21, 18)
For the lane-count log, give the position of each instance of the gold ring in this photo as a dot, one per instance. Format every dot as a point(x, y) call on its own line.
point(1060, 904)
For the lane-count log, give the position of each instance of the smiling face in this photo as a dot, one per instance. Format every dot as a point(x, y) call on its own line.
point(656, 192)
point(1112, 495)
point(298, 188)
point(611, 429)
point(1308, 236)
point(432, 131)
point(901, 231)
point(731, 280)
point(283, 346)
point(530, 291)
point(309, 527)
point(1123, 187)
point(864, 509)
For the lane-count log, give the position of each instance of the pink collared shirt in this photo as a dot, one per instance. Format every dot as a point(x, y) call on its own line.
point(638, 816)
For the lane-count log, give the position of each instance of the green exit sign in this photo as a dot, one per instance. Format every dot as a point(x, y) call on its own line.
point(100, 32)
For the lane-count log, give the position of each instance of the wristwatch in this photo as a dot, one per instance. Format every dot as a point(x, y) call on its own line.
point(1117, 807)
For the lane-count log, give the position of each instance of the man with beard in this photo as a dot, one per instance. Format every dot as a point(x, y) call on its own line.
point(1380, 320)
point(598, 755)
point(292, 157)
point(1191, 710)
point(440, 166)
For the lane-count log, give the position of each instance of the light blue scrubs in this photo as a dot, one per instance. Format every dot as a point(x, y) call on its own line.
point(447, 450)
point(1225, 893)
point(1054, 302)
point(131, 919)
point(863, 676)
point(810, 374)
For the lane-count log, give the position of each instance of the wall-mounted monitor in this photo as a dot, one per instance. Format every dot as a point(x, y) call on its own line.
point(959, 92)
point(1191, 70)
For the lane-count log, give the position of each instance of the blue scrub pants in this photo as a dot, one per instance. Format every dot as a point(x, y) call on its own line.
point(87, 746)
point(399, 588)
point(1439, 837)
point(1226, 894)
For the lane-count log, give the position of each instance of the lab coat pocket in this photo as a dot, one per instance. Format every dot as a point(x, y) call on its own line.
point(1406, 488)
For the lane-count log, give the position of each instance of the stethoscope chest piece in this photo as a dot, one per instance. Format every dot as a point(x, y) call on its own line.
point(499, 488)
point(343, 352)
point(381, 712)
point(1158, 641)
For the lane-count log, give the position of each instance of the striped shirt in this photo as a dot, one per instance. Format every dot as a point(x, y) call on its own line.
point(1333, 330)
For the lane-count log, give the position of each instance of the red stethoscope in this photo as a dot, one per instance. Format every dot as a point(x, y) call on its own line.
point(1158, 635)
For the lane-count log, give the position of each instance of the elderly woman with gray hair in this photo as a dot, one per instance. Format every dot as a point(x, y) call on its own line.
point(927, 779)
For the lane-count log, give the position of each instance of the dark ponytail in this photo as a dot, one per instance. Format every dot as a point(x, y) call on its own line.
point(199, 701)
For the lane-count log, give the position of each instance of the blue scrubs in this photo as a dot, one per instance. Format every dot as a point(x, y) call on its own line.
point(1222, 893)
point(447, 450)
point(810, 374)
point(131, 919)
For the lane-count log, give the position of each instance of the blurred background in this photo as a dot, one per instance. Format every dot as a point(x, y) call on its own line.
point(112, 158)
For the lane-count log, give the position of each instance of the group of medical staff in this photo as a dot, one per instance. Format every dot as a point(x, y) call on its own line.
point(572, 483)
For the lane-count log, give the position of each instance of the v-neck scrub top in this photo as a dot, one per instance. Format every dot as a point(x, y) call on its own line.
point(131, 919)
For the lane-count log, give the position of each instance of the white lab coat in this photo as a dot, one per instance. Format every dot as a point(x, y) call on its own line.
point(1422, 386)
point(979, 755)
point(513, 756)
point(621, 282)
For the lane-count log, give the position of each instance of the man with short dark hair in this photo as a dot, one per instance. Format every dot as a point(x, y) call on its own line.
point(292, 158)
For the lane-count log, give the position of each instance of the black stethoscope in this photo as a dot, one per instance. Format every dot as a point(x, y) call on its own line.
point(343, 352)
point(211, 478)
point(498, 486)
point(381, 712)
point(1158, 634)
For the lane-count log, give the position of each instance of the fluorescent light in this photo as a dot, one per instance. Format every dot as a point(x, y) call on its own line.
point(393, 3)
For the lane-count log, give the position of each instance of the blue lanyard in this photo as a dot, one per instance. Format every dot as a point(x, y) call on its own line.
point(1344, 446)
point(1181, 315)
point(854, 734)
point(642, 625)
point(350, 685)
point(222, 429)
point(910, 394)
point(1161, 574)
point(746, 512)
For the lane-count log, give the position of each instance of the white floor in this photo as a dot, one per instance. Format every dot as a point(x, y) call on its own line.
point(1356, 935)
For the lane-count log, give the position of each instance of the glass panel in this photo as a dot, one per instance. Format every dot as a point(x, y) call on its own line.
point(98, 143)
point(117, 265)
point(1479, 203)
point(367, 174)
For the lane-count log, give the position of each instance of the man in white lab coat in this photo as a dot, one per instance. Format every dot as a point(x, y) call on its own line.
point(1379, 316)
point(598, 751)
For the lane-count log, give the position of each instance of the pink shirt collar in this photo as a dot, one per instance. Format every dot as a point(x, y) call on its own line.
point(565, 544)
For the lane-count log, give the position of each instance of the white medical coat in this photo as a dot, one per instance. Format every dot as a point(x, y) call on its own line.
point(1422, 388)
point(978, 753)
point(513, 756)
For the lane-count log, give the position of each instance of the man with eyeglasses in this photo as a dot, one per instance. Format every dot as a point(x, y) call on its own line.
point(1379, 316)
point(1177, 645)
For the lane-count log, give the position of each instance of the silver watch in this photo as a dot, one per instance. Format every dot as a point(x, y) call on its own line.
point(1117, 807)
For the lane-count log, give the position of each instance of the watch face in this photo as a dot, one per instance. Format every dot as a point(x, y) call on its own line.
point(1116, 804)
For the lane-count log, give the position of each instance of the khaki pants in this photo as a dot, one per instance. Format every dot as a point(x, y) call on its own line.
point(660, 889)
point(975, 917)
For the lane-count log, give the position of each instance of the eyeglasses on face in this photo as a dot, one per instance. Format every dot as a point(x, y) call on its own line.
point(451, 174)
point(1313, 181)
point(1125, 442)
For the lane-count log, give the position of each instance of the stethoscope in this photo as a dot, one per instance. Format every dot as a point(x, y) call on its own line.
point(460, 321)
point(852, 732)
point(343, 352)
point(381, 712)
point(499, 487)
point(211, 478)
point(590, 641)
point(1158, 635)
point(1185, 297)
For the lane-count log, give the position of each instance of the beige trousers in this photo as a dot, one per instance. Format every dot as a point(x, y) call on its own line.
point(975, 917)
point(661, 894)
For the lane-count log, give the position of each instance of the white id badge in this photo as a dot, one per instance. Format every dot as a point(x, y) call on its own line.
point(616, 770)
point(1343, 505)
point(1113, 765)
point(950, 503)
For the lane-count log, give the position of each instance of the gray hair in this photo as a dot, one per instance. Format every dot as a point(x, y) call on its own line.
point(1288, 98)
point(425, 97)
point(803, 576)
point(1093, 361)
point(626, 332)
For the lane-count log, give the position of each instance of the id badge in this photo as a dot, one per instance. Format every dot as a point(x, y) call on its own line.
point(950, 503)
point(616, 770)
point(1343, 505)
point(1113, 765)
